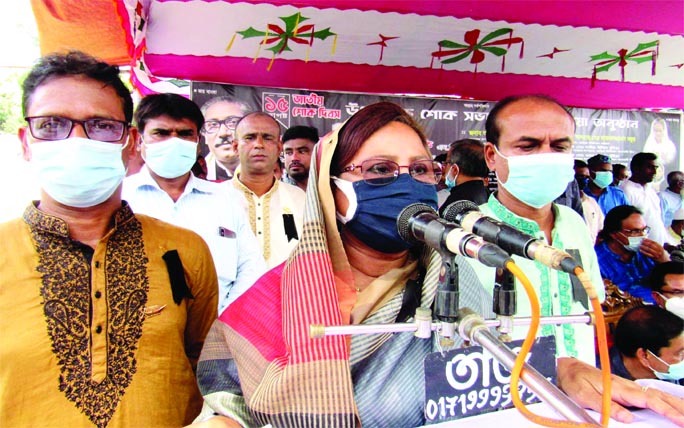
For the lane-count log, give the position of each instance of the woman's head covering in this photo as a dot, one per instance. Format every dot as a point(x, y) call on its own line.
point(308, 378)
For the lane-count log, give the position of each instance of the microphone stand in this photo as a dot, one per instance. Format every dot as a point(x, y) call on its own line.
point(504, 302)
point(472, 327)
point(446, 299)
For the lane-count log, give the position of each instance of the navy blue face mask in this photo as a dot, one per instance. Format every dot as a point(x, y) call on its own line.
point(374, 222)
point(583, 182)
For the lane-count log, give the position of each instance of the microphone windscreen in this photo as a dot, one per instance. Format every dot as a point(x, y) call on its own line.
point(404, 223)
point(455, 210)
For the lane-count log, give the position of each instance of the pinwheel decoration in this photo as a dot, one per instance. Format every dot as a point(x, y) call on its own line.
point(280, 37)
point(475, 49)
point(642, 53)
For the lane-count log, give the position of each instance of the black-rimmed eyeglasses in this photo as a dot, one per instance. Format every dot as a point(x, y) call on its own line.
point(378, 172)
point(212, 126)
point(53, 128)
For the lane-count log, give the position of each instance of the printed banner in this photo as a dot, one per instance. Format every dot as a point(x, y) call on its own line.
point(470, 381)
point(617, 133)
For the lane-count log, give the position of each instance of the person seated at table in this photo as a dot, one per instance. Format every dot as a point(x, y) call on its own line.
point(649, 344)
point(350, 267)
point(626, 256)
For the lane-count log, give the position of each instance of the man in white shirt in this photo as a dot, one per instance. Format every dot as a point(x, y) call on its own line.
point(275, 209)
point(672, 198)
point(641, 194)
point(169, 127)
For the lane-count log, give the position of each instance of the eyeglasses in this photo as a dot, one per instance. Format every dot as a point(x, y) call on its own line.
point(58, 128)
point(379, 172)
point(637, 232)
point(213, 126)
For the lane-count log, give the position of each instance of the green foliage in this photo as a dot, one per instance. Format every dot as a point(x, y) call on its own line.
point(10, 102)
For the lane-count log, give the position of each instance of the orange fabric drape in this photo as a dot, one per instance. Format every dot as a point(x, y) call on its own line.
point(91, 26)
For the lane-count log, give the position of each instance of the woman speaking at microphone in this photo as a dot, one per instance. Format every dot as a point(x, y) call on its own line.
point(259, 366)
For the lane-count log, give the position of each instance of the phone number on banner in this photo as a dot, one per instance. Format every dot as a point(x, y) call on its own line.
point(463, 404)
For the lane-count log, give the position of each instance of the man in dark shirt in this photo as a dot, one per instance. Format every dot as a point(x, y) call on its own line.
point(467, 173)
point(625, 255)
point(649, 344)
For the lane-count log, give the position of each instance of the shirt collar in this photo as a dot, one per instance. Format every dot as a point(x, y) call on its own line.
point(504, 214)
point(240, 186)
point(37, 219)
point(194, 184)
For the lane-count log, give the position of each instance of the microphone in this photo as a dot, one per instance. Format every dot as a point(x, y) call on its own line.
point(421, 223)
point(467, 215)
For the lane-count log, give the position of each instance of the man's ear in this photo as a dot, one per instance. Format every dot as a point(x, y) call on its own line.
point(640, 355)
point(658, 299)
point(489, 154)
point(22, 133)
point(456, 170)
point(133, 145)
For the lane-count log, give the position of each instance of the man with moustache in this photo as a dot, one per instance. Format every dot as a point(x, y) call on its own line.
point(221, 114)
point(529, 147)
point(298, 144)
point(104, 312)
point(275, 209)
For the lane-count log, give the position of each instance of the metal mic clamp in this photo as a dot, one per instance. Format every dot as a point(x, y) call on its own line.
point(504, 302)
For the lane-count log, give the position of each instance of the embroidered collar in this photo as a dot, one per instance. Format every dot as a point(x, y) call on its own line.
point(37, 219)
point(246, 190)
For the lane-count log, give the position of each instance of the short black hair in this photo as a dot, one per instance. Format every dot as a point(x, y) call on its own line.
point(76, 63)
point(617, 167)
point(639, 160)
point(300, 131)
point(579, 163)
point(614, 217)
point(172, 105)
point(656, 279)
point(649, 327)
point(492, 127)
point(468, 154)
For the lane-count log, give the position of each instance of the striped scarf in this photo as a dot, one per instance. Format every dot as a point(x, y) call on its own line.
point(285, 377)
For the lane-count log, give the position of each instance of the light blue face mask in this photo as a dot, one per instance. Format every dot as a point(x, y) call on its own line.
point(450, 182)
point(674, 372)
point(538, 179)
point(603, 179)
point(78, 172)
point(170, 158)
point(633, 242)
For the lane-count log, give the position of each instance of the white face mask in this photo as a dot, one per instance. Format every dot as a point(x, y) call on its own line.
point(170, 158)
point(633, 242)
point(346, 187)
point(674, 305)
point(78, 172)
